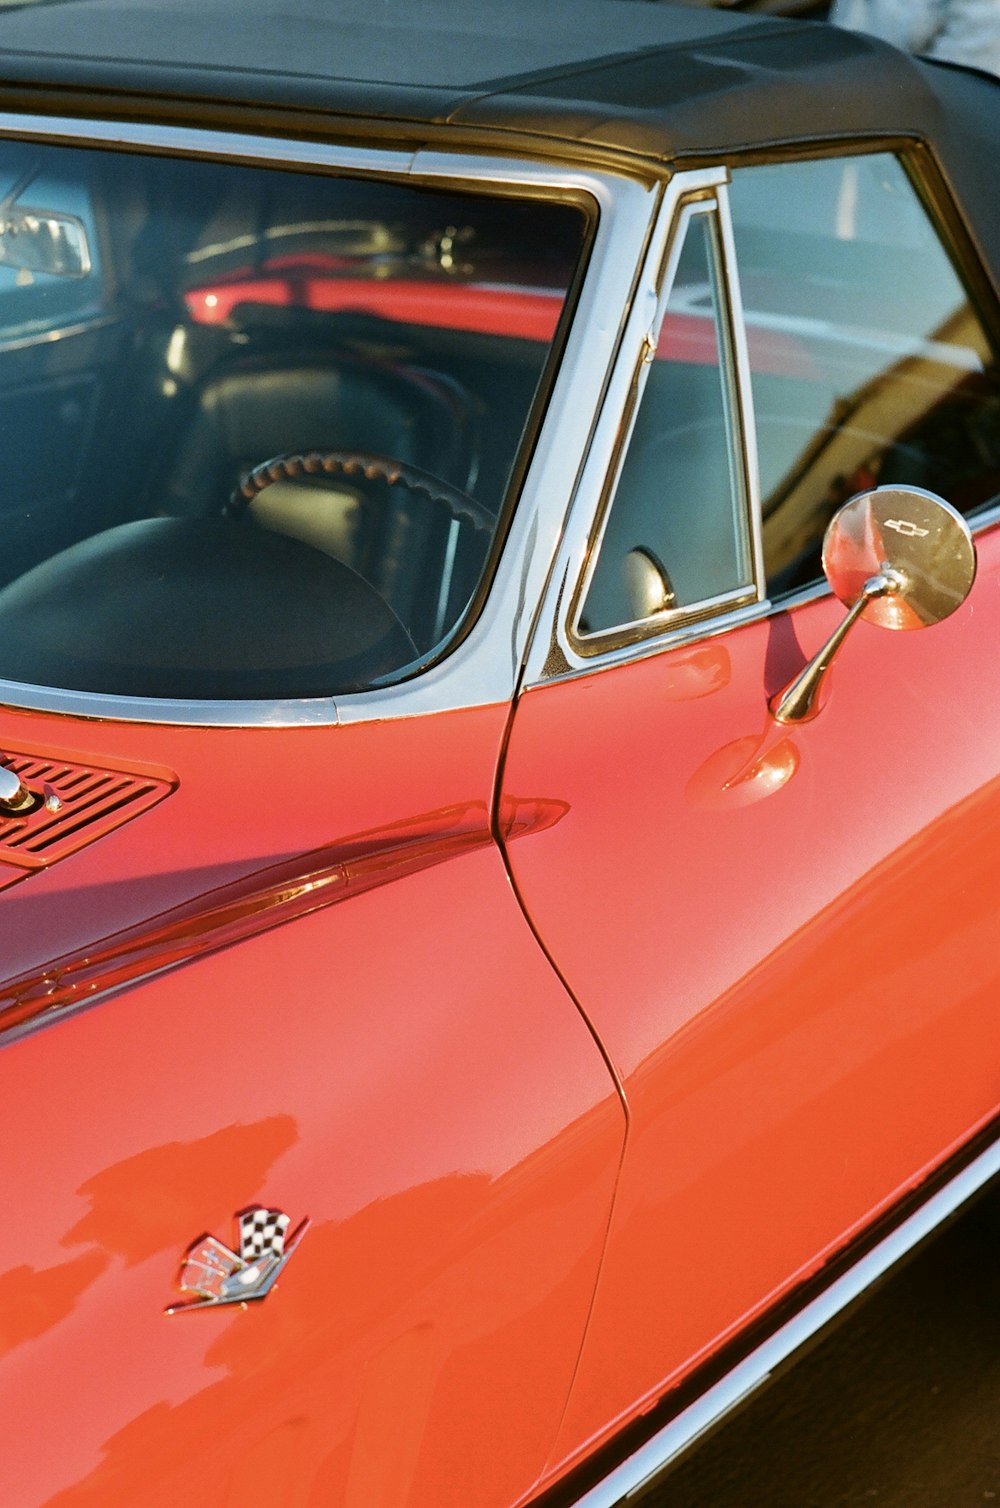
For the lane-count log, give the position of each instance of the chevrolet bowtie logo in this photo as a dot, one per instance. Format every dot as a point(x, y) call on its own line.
point(217, 1275)
point(907, 527)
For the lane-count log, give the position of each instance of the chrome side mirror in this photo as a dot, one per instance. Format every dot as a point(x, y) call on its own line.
point(899, 557)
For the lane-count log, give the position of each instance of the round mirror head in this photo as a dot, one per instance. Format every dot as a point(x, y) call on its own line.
point(911, 533)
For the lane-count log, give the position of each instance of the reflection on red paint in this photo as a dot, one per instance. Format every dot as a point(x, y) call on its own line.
point(34, 1300)
point(270, 899)
point(697, 672)
point(746, 770)
point(179, 1182)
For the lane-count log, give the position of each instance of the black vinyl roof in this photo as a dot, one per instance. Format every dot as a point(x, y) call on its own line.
point(650, 81)
point(461, 46)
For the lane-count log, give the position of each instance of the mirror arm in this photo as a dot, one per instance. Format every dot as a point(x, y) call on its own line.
point(800, 699)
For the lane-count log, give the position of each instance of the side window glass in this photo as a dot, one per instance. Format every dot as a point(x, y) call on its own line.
point(868, 363)
point(676, 537)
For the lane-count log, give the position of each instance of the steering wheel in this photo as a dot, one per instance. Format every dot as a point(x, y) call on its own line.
point(356, 464)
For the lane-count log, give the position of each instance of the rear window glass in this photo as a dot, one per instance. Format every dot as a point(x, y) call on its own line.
point(259, 427)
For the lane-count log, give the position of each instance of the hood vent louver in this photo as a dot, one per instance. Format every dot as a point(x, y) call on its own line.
point(77, 803)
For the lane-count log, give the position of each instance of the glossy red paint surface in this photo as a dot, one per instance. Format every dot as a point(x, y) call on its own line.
point(247, 800)
point(439, 1110)
point(765, 928)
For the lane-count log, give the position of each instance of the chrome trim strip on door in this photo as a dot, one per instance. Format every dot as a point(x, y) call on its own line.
point(627, 1482)
point(483, 668)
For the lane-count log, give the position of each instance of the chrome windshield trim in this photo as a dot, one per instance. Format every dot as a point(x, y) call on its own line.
point(483, 669)
point(191, 141)
point(636, 1475)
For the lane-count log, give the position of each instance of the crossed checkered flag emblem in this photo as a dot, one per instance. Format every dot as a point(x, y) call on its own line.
point(216, 1275)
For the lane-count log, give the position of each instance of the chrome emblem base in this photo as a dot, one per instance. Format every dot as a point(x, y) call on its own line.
point(218, 1276)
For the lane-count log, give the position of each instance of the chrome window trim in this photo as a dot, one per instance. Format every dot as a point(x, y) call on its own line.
point(483, 668)
point(721, 621)
point(696, 204)
point(743, 387)
point(661, 623)
point(637, 1474)
point(556, 651)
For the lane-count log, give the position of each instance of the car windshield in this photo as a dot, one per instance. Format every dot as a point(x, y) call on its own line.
point(260, 429)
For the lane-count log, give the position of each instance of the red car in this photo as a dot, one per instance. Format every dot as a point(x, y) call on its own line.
point(454, 923)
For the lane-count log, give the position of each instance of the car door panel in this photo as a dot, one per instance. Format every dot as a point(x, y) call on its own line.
point(783, 939)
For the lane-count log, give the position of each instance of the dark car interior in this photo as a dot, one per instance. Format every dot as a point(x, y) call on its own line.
point(231, 316)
